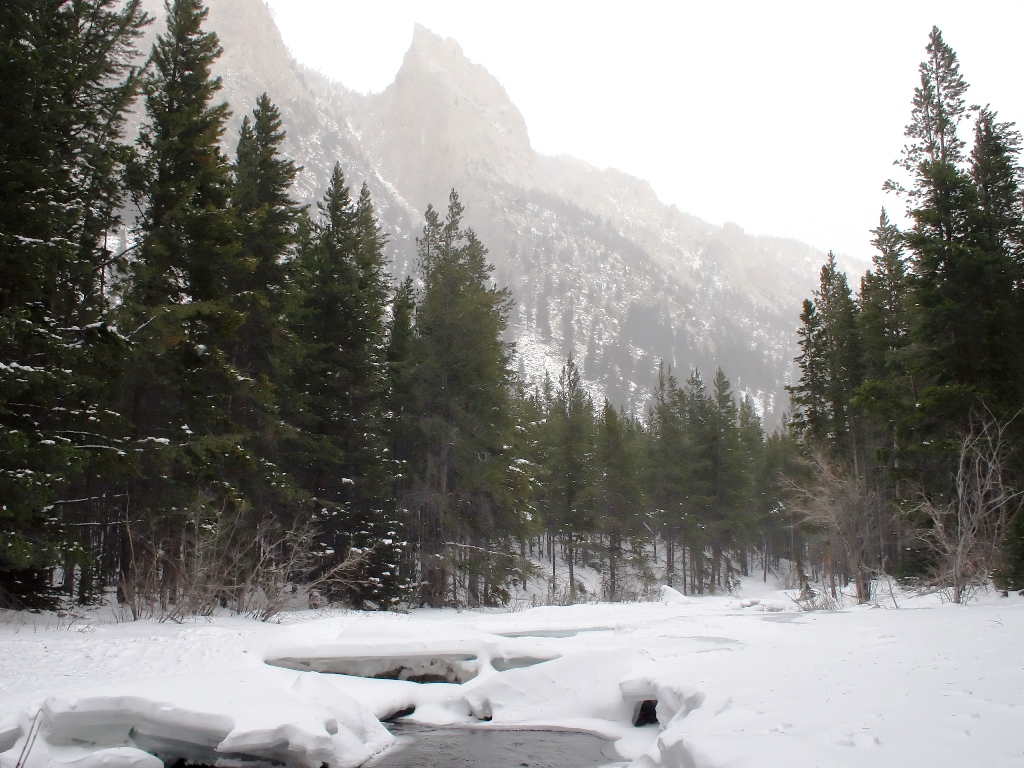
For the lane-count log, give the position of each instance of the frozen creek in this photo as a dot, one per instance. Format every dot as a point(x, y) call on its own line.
point(425, 746)
point(739, 681)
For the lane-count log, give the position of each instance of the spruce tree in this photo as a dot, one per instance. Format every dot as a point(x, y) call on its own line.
point(829, 361)
point(616, 495)
point(730, 480)
point(807, 397)
point(884, 311)
point(197, 463)
point(666, 465)
point(461, 502)
point(570, 470)
point(888, 394)
point(269, 228)
point(341, 384)
point(403, 436)
point(754, 506)
point(700, 489)
point(964, 242)
point(66, 83)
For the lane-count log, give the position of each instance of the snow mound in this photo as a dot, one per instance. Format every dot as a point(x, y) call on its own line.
point(671, 596)
point(267, 715)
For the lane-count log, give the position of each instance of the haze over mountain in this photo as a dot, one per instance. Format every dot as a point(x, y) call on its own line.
point(598, 266)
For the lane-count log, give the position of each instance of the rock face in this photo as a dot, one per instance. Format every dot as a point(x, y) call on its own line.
point(599, 267)
point(445, 122)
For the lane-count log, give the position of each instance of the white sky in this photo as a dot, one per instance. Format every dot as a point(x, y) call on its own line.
point(782, 117)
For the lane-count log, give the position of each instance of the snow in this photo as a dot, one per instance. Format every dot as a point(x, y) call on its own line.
point(740, 680)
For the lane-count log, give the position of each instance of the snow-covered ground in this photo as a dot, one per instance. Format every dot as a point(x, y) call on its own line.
point(743, 680)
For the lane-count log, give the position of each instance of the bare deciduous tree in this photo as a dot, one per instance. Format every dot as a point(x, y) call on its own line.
point(966, 531)
point(844, 507)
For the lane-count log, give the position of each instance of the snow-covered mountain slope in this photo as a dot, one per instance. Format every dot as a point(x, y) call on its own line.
point(597, 264)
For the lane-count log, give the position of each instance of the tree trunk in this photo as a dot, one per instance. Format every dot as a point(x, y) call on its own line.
point(569, 558)
point(612, 545)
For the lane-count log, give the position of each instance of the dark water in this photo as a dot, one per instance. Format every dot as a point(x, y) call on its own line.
point(425, 746)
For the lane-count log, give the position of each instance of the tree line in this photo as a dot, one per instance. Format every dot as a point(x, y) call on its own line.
point(236, 399)
point(908, 405)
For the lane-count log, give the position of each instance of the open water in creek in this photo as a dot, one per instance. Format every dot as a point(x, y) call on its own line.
point(427, 746)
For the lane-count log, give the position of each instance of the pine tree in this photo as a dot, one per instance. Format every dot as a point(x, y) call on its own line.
point(666, 465)
point(403, 436)
point(66, 83)
point(616, 495)
point(269, 222)
point(730, 479)
point(197, 465)
point(807, 397)
point(700, 491)
point(966, 234)
point(461, 498)
point(570, 469)
point(938, 109)
point(829, 362)
point(341, 381)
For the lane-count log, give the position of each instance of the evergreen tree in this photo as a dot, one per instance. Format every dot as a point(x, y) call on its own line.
point(341, 383)
point(196, 464)
point(884, 314)
point(461, 499)
point(269, 223)
point(665, 469)
point(189, 234)
point(700, 489)
point(938, 109)
point(403, 436)
point(966, 232)
point(829, 362)
point(888, 392)
point(729, 481)
point(754, 504)
point(886, 399)
point(807, 397)
point(570, 470)
point(616, 495)
point(66, 84)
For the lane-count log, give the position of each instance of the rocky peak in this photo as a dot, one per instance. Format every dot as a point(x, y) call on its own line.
point(447, 122)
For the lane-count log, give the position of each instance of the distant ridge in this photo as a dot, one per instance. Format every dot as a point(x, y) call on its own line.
point(597, 264)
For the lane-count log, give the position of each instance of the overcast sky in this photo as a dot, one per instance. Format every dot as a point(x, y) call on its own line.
point(782, 117)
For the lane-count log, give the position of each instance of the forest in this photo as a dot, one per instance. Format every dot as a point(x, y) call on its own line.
point(239, 401)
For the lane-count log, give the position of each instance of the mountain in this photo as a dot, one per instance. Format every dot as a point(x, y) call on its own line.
point(597, 264)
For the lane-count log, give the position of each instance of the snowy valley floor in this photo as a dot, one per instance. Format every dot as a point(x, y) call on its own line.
point(743, 680)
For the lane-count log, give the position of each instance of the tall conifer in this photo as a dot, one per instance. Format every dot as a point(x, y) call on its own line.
point(341, 382)
point(197, 464)
point(462, 368)
point(66, 83)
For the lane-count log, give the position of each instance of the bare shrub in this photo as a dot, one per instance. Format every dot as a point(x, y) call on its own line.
point(966, 531)
point(811, 599)
point(843, 507)
point(219, 559)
